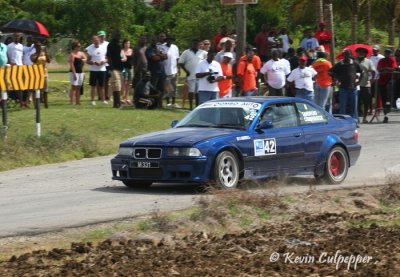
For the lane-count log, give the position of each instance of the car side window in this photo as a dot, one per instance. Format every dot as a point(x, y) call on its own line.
point(310, 115)
point(281, 115)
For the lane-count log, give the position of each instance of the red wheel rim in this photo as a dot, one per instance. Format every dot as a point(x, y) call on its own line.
point(334, 164)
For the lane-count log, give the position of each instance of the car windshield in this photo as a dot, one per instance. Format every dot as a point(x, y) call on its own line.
point(236, 115)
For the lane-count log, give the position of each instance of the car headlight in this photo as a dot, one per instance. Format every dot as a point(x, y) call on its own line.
point(125, 151)
point(180, 151)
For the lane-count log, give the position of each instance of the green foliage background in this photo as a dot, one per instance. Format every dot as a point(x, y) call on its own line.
point(185, 19)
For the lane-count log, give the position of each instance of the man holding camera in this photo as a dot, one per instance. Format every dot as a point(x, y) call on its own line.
point(208, 73)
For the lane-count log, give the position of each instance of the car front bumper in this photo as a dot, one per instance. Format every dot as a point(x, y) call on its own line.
point(168, 170)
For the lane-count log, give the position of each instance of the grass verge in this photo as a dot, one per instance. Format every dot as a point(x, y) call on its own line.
point(72, 132)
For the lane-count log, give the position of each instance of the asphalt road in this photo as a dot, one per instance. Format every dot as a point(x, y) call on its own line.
point(51, 197)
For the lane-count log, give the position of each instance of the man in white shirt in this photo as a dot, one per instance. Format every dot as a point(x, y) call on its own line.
point(97, 66)
point(28, 51)
point(104, 43)
point(171, 71)
point(275, 72)
point(209, 72)
point(15, 50)
point(188, 61)
point(286, 41)
point(303, 79)
point(375, 57)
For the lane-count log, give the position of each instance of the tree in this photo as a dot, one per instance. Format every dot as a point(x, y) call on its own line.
point(9, 10)
point(86, 18)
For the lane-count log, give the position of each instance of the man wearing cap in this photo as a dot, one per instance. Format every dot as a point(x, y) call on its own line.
point(104, 43)
point(346, 73)
point(365, 85)
point(225, 85)
point(375, 58)
point(227, 48)
point(386, 67)
point(302, 77)
point(324, 37)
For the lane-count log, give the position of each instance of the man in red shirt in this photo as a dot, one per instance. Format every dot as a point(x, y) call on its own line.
point(223, 33)
point(261, 42)
point(386, 66)
point(324, 37)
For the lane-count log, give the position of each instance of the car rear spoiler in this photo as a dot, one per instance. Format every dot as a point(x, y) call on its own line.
point(345, 117)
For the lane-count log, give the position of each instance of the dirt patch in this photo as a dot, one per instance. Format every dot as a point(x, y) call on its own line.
point(336, 233)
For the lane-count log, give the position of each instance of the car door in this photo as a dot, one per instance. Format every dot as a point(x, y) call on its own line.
point(280, 148)
point(314, 123)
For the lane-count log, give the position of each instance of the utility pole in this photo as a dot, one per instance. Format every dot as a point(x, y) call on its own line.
point(329, 20)
point(241, 16)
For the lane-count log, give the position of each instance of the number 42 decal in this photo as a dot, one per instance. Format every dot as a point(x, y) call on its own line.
point(264, 147)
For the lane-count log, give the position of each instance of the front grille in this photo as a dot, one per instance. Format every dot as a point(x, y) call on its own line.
point(147, 153)
point(140, 153)
point(146, 172)
point(153, 153)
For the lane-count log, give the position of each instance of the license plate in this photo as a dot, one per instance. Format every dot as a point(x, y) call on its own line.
point(144, 164)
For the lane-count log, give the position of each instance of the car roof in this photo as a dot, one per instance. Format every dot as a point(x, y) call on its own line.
point(258, 99)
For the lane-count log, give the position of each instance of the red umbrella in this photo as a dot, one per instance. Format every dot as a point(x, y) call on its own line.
point(25, 26)
point(353, 47)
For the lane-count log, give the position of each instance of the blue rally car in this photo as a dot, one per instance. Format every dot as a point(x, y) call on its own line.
point(227, 140)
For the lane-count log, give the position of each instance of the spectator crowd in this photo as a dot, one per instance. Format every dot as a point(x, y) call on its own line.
point(211, 70)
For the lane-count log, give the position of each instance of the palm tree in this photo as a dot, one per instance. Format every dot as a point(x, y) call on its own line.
point(391, 9)
point(354, 7)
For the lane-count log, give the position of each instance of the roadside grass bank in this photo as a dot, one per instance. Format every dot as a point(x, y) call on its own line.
point(350, 220)
point(72, 132)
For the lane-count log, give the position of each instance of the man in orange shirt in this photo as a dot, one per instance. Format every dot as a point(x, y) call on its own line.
point(247, 71)
point(225, 85)
point(323, 79)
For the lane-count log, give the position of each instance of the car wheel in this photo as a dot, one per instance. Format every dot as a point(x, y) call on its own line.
point(336, 166)
point(137, 184)
point(226, 170)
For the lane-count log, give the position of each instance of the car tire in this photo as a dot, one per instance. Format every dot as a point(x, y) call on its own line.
point(226, 170)
point(336, 166)
point(137, 184)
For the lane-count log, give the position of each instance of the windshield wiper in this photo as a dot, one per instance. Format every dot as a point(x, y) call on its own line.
point(231, 126)
point(194, 125)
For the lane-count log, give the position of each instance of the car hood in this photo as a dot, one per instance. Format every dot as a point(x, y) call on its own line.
point(179, 136)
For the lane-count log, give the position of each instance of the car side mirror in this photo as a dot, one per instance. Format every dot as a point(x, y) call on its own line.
point(174, 123)
point(265, 125)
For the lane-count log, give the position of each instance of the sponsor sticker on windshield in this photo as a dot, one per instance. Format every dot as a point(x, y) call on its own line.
point(231, 104)
point(263, 147)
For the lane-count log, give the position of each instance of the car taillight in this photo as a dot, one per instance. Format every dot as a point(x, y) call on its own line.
point(356, 135)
